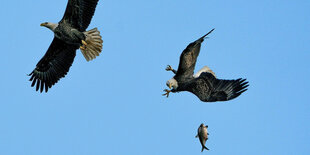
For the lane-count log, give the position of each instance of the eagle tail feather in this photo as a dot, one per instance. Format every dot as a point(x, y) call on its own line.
point(94, 44)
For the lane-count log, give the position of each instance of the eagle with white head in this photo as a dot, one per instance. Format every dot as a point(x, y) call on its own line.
point(69, 35)
point(204, 83)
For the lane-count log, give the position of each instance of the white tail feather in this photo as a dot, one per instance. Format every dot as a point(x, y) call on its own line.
point(94, 44)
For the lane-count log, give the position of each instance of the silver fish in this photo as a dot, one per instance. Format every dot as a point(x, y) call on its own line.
point(203, 135)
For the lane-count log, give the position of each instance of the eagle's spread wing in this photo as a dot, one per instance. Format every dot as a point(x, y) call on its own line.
point(54, 65)
point(209, 89)
point(79, 13)
point(188, 58)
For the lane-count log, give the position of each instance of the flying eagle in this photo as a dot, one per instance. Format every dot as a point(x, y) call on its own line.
point(203, 84)
point(69, 35)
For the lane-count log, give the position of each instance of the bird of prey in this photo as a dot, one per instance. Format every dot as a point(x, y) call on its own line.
point(69, 35)
point(203, 135)
point(204, 83)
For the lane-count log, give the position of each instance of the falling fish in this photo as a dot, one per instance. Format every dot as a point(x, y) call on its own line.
point(203, 135)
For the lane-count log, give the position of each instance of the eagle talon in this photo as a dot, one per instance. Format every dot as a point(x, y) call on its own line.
point(84, 43)
point(169, 68)
point(82, 47)
point(167, 92)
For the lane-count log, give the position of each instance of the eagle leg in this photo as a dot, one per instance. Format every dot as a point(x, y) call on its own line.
point(167, 92)
point(169, 68)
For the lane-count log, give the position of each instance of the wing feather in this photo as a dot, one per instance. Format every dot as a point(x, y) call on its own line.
point(87, 11)
point(54, 65)
point(210, 89)
point(188, 58)
point(79, 13)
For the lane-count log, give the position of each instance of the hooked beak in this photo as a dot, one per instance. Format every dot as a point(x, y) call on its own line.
point(42, 24)
point(170, 85)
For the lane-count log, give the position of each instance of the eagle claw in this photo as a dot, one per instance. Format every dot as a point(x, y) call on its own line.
point(83, 46)
point(84, 42)
point(167, 92)
point(169, 68)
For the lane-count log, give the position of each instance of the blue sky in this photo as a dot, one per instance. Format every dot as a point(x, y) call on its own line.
point(113, 105)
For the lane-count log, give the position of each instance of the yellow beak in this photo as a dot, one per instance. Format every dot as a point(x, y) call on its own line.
point(170, 85)
point(42, 24)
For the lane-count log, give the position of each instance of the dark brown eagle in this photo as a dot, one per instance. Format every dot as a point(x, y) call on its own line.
point(69, 35)
point(203, 84)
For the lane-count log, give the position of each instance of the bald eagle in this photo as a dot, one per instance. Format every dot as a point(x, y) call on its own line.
point(69, 35)
point(203, 84)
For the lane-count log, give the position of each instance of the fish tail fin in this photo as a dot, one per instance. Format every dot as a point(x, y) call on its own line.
point(204, 147)
point(94, 44)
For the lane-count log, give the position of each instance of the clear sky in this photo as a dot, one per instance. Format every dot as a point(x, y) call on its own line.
point(113, 105)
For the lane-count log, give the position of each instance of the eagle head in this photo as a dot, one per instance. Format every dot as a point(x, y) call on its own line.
point(172, 83)
point(49, 25)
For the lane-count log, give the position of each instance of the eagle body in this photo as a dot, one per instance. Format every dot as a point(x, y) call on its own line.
point(206, 86)
point(69, 34)
point(194, 85)
point(203, 84)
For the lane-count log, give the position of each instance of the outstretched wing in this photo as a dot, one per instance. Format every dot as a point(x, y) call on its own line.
point(54, 65)
point(188, 58)
point(209, 89)
point(79, 13)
